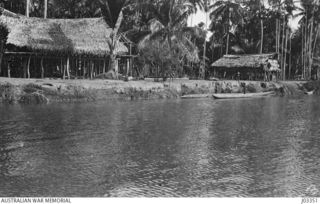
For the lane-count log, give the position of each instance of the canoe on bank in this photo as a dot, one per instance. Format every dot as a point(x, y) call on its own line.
point(196, 96)
point(241, 95)
point(310, 92)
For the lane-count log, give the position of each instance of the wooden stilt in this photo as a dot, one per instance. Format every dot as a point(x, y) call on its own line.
point(28, 67)
point(128, 67)
point(25, 64)
point(91, 71)
point(131, 67)
point(98, 67)
point(64, 70)
point(9, 70)
point(95, 68)
point(76, 66)
point(104, 66)
point(116, 66)
point(84, 69)
point(68, 67)
point(1, 54)
point(42, 68)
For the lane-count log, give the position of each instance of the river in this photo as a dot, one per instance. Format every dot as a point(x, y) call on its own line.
point(172, 148)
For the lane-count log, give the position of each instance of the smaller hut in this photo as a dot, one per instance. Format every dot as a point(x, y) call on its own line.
point(247, 67)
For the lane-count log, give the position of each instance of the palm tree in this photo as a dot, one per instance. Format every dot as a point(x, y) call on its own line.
point(205, 7)
point(169, 25)
point(261, 14)
point(310, 32)
point(284, 13)
point(112, 12)
point(230, 13)
point(45, 8)
point(27, 8)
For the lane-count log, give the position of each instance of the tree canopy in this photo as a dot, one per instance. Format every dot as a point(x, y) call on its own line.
point(246, 26)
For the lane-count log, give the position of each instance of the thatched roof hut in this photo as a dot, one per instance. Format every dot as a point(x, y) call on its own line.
point(86, 36)
point(256, 61)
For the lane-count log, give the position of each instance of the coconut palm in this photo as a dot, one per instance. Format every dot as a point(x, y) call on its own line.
point(169, 25)
point(310, 31)
point(112, 12)
point(204, 5)
point(229, 13)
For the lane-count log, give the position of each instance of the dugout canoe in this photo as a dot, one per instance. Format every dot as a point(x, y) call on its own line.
point(242, 95)
point(196, 96)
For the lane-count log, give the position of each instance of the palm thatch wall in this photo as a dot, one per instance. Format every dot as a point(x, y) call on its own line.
point(86, 36)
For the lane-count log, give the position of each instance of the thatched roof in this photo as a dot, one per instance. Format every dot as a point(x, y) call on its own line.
point(243, 61)
point(76, 36)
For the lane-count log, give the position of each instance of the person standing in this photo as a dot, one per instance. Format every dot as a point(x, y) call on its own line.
point(243, 85)
point(238, 76)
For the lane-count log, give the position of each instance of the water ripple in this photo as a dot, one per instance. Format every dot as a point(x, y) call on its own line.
point(192, 148)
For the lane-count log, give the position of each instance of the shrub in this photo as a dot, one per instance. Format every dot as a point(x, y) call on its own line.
point(31, 88)
point(8, 93)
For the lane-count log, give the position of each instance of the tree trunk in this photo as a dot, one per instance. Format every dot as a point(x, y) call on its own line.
point(261, 40)
point(27, 8)
point(261, 27)
point(63, 67)
point(1, 54)
point(228, 32)
point(285, 54)
point(310, 49)
point(112, 62)
point(315, 40)
point(302, 53)
point(290, 57)
point(305, 50)
point(227, 46)
point(115, 41)
point(283, 50)
point(45, 8)
point(277, 36)
point(204, 51)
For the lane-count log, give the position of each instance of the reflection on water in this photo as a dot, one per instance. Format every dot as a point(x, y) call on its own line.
point(206, 148)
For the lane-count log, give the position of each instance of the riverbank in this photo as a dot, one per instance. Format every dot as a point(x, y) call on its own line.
point(27, 91)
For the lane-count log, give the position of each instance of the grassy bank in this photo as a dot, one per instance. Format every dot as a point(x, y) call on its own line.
point(28, 91)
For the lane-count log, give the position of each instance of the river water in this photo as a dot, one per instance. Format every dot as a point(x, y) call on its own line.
point(195, 148)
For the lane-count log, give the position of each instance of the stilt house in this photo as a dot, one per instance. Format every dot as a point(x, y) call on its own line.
point(36, 47)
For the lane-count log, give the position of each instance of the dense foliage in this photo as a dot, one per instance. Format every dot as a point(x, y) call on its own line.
point(166, 44)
